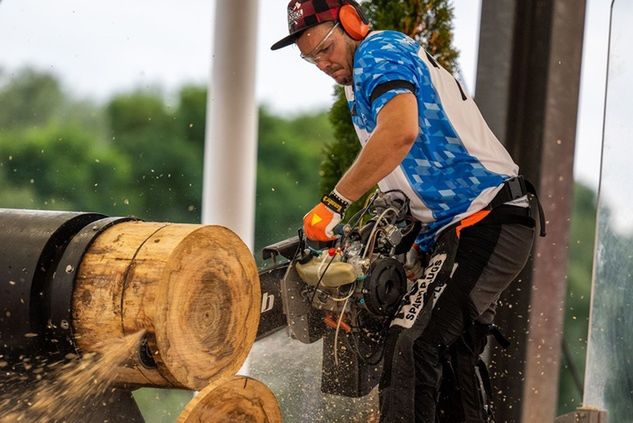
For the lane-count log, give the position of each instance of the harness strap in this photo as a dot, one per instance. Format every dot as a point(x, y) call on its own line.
point(499, 337)
point(504, 215)
point(484, 376)
point(515, 188)
point(541, 214)
point(471, 220)
point(512, 189)
point(498, 211)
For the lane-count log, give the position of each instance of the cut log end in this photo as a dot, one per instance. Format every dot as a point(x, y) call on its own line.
point(193, 288)
point(231, 400)
point(209, 310)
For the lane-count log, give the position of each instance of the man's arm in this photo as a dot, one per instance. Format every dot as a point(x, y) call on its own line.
point(396, 131)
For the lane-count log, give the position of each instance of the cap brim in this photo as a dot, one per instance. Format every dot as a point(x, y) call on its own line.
point(286, 41)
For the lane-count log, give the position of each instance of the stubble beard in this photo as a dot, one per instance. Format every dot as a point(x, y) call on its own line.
point(350, 47)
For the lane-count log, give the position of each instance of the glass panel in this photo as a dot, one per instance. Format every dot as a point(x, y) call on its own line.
point(609, 371)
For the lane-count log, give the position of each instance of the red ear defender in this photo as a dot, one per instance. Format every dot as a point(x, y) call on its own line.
point(352, 22)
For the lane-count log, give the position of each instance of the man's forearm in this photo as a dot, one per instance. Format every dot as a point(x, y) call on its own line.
point(381, 155)
point(395, 133)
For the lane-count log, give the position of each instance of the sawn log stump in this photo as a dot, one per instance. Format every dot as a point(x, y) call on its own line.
point(194, 289)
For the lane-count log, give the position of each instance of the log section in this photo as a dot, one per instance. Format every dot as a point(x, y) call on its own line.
point(237, 399)
point(193, 288)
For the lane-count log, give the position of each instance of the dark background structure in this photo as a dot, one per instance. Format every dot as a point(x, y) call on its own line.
point(527, 87)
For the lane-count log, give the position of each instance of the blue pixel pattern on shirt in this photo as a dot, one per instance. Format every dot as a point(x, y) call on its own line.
point(439, 169)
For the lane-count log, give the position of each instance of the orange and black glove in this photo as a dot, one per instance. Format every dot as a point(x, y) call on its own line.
point(319, 223)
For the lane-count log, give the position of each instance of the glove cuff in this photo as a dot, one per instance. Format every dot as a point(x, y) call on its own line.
point(336, 202)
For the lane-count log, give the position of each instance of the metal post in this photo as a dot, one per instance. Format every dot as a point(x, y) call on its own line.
point(231, 135)
point(537, 114)
point(494, 65)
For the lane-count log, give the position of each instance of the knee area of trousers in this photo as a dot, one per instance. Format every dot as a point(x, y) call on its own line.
point(430, 350)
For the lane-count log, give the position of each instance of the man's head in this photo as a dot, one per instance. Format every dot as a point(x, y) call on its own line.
point(327, 33)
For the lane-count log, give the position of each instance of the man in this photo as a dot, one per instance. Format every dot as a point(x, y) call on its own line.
point(421, 134)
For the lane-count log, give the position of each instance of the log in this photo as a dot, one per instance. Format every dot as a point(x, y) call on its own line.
point(194, 289)
point(233, 399)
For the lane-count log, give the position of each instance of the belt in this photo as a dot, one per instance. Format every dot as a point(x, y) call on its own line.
point(513, 189)
point(500, 212)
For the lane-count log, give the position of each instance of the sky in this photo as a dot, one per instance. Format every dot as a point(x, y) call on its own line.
point(102, 48)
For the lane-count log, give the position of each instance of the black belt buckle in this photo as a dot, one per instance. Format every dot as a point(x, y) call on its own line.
point(517, 187)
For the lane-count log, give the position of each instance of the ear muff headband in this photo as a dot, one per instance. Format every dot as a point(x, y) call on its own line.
point(353, 21)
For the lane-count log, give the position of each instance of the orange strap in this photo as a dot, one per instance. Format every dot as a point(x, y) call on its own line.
point(471, 220)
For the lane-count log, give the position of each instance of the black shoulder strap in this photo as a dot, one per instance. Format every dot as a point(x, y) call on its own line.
point(532, 190)
point(388, 86)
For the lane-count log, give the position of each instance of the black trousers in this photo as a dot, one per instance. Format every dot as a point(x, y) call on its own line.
point(460, 286)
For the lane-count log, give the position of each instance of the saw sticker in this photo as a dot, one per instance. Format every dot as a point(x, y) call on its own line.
point(413, 302)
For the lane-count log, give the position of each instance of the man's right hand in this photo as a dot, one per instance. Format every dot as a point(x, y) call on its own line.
point(319, 223)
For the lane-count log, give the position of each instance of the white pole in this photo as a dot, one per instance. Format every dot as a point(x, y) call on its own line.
point(230, 157)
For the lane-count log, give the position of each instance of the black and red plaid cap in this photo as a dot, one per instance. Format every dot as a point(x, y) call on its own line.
point(304, 14)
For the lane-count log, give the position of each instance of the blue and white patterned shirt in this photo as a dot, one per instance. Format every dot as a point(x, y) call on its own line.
point(456, 165)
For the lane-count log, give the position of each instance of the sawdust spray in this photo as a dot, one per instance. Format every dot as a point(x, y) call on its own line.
point(75, 387)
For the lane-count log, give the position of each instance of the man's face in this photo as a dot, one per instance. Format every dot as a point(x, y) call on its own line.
point(329, 50)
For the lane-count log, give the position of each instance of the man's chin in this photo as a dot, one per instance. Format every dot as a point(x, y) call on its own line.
point(343, 80)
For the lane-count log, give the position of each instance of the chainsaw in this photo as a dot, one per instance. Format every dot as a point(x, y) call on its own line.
point(344, 292)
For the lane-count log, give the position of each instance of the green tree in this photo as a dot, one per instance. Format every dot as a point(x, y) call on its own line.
point(32, 98)
point(191, 115)
point(61, 167)
point(287, 185)
point(429, 22)
point(579, 275)
point(339, 154)
point(14, 197)
point(167, 169)
point(29, 98)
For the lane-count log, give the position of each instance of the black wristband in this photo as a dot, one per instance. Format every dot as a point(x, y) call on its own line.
point(335, 202)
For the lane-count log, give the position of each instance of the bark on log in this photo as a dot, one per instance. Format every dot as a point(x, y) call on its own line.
point(230, 400)
point(193, 288)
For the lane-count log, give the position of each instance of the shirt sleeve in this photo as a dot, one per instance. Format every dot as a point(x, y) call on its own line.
point(385, 68)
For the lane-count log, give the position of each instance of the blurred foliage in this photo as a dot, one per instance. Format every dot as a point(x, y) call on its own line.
point(579, 274)
point(429, 22)
point(611, 384)
point(139, 155)
point(68, 154)
point(287, 173)
point(29, 98)
point(166, 181)
point(339, 155)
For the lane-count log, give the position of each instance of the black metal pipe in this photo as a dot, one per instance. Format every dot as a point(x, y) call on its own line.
point(40, 252)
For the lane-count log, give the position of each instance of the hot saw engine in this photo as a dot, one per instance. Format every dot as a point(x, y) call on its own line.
point(345, 291)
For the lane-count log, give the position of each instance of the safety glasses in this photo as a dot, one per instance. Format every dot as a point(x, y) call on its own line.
point(320, 50)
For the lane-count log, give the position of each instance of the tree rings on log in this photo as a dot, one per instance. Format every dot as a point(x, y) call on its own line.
point(209, 307)
point(237, 399)
point(193, 288)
